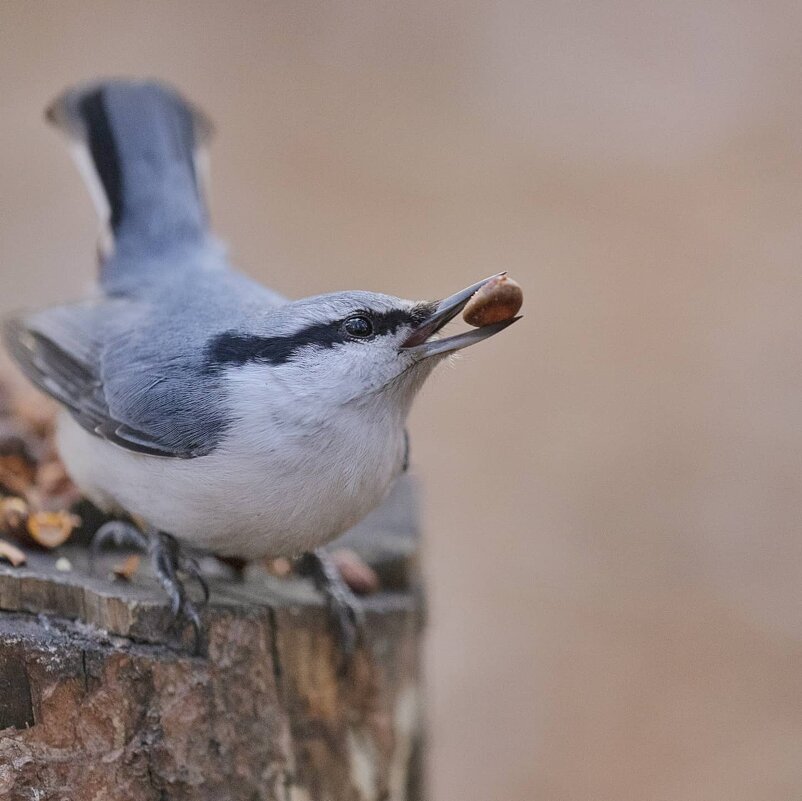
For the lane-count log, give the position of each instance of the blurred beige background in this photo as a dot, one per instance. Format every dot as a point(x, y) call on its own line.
point(613, 486)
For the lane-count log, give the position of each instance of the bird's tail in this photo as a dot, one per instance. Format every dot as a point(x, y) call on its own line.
point(139, 146)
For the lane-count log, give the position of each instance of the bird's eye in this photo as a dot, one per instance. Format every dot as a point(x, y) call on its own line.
point(358, 326)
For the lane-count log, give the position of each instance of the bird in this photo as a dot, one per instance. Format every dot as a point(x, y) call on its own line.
point(217, 414)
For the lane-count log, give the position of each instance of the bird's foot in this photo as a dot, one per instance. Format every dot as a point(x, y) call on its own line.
point(344, 607)
point(168, 561)
point(121, 534)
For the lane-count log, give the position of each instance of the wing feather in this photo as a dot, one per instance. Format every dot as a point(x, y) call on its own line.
point(70, 372)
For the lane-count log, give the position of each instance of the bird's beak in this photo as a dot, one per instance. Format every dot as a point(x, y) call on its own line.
point(419, 342)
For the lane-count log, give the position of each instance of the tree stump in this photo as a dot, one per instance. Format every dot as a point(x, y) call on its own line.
point(97, 702)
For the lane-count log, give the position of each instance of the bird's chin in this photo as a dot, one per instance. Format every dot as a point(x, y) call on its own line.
point(405, 384)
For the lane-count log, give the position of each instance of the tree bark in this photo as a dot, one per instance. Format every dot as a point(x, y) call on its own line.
point(98, 700)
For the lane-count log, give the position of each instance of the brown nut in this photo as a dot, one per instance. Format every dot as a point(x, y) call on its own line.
point(498, 300)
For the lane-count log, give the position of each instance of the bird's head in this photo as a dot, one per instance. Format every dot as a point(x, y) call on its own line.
point(348, 347)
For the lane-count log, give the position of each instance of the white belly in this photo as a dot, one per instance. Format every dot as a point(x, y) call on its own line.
point(238, 500)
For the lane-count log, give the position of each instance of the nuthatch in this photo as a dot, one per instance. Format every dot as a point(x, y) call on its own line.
point(224, 416)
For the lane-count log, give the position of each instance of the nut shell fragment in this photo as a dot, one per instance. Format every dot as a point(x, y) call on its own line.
point(360, 577)
point(280, 566)
point(13, 515)
point(51, 529)
point(497, 301)
point(52, 478)
point(12, 554)
point(126, 569)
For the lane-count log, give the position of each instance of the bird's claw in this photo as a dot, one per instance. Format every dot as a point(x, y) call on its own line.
point(349, 621)
point(168, 561)
point(190, 566)
point(345, 609)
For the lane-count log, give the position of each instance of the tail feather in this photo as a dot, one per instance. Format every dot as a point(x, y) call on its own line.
point(138, 144)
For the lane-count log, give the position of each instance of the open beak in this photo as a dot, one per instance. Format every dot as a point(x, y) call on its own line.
point(419, 341)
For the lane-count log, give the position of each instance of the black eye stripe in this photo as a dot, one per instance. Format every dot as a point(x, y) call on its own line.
point(234, 348)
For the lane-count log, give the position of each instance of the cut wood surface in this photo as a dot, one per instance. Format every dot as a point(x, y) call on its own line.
point(98, 699)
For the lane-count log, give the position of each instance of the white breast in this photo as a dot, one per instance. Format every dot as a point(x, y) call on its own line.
point(266, 490)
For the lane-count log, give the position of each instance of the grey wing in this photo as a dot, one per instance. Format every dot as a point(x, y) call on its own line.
point(69, 352)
